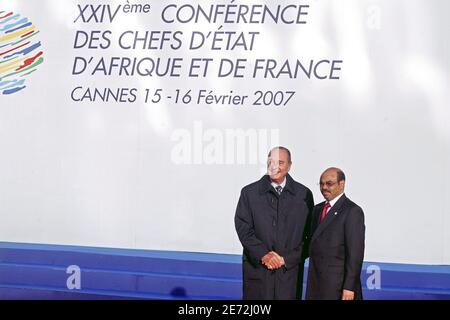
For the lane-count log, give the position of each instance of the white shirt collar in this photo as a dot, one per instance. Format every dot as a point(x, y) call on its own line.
point(333, 202)
point(283, 184)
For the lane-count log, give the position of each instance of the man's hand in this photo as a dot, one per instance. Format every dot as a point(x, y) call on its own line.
point(348, 295)
point(273, 261)
point(266, 260)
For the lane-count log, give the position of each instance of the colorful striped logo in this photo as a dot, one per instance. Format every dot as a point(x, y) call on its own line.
point(19, 51)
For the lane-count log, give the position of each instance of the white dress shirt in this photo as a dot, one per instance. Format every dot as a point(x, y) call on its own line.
point(275, 185)
point(333, 202)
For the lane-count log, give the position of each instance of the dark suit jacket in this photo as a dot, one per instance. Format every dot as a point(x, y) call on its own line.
point(336, 251)
point(267, 222)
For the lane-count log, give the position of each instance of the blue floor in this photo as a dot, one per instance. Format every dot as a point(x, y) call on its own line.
point(34, 271)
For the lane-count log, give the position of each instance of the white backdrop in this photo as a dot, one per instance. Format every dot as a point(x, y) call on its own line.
point(164, 175)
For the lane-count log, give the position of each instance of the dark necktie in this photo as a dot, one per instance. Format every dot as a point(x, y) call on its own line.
point(279, 189)
point(324, 211)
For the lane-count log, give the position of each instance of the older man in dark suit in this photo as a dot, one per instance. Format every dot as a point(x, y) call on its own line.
point(271, 218)
point(337, 243)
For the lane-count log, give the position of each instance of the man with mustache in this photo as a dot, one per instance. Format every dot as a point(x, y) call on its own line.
point(271, 220)
point(337, 244)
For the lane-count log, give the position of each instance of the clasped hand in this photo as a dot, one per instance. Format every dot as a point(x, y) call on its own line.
point(273, 260)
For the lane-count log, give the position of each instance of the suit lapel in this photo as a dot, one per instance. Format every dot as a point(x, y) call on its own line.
point(329, 218)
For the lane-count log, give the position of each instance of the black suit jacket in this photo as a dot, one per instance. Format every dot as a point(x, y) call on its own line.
point(267, 222)
point(336, 251)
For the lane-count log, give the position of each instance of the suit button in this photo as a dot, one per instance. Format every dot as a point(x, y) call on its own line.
point(274, 223)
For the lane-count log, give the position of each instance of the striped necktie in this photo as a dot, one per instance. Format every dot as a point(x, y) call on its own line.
point(279, 189)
